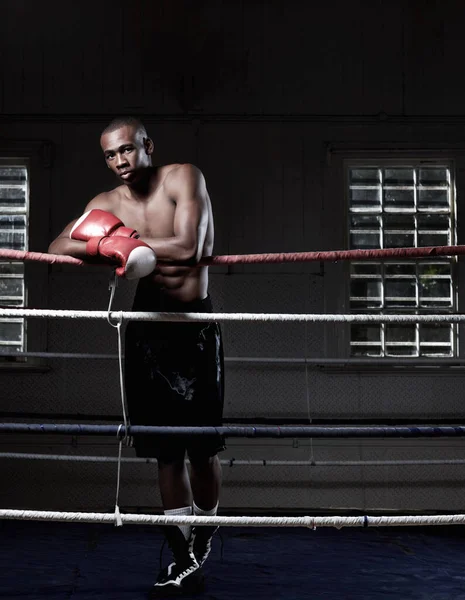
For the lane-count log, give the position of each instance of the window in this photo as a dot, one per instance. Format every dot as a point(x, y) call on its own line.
point(14, 205)
point(392, 206)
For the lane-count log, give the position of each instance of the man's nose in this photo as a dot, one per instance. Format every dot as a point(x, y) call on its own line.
point(121, 160)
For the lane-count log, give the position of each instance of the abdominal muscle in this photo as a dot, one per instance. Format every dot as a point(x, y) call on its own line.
point(181, 283)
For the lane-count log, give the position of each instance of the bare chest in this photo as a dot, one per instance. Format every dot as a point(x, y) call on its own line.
point(153, 218)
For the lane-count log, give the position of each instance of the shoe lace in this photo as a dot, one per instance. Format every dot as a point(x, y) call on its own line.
point(222, 544)
point(161, 552)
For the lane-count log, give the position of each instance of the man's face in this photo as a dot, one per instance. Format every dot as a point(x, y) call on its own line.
point(127, 153)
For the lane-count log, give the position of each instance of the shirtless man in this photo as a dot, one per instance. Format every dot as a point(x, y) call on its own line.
point(168, 209)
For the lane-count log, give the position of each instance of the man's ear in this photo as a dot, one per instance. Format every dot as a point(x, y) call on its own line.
point(148, 145)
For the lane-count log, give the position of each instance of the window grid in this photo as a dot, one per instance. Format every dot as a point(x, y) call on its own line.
point(14, 208)
point(380, 217)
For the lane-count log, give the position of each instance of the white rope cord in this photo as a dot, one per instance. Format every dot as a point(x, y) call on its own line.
point(225, 317)
point(117, 326)
point(311, 522)
point(233, 462)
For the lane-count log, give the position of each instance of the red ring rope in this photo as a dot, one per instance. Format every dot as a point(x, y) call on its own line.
point(278, 257)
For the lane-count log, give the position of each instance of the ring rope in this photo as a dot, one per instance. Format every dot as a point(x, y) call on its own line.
point(224, 317)
point(233, 462)
point(285, 431)
point(274, 257)
point(284, 360)
point(307, 521)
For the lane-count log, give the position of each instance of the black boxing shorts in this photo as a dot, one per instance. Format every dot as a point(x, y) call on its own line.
point(174, 375)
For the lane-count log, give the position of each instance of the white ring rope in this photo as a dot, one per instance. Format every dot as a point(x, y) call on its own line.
point(225, 317)
point(312, 522)
point(280, 361)
point(233, 462)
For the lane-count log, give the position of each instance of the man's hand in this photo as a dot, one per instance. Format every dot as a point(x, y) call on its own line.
point(135, 257)
point(101, 223)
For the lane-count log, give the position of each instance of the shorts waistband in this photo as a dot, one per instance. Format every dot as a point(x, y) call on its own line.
point(159, 302)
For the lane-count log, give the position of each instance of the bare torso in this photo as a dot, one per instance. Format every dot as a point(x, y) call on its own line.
point(153, 217)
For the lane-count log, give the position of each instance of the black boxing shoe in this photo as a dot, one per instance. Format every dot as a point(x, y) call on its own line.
point(172, 579)
point(200, 542)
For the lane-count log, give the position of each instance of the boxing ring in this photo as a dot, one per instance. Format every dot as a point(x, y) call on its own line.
point(381, 570)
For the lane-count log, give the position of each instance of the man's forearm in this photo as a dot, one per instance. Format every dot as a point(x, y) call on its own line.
point(172, 250)
point(69, 247)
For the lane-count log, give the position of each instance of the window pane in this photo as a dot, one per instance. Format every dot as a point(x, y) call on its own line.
point(11, 286)
point(399, 240)
point(365, 241)
point(10, 349)
point(365, 288)
point(433, 222)
point(358, 221)
point(400, 288)
point(433, 199)
point(399, 176)
point(12, 268)
point(11, 331)
point(365, 350)
point(10, 197)
point(13, 240)
point(395, 199)
point(425, 268)
point(392, 350)
point(367, 198)
point(401, 268)
point(365, 269)
point(400, 333)
point(434, 176)
point(399, 222)
point(435, 333)
point(366, 333)
point(13, 175)
point(365, 176)
point(433, 239)
point(430, 288)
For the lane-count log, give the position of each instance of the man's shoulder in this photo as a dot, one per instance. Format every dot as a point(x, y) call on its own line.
point(106, 200)
point(181, 172)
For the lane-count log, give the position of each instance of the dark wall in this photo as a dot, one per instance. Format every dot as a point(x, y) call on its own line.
point(238, 57)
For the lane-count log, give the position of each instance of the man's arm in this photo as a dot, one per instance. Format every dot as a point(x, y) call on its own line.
point(64, 244)
point(186, 186)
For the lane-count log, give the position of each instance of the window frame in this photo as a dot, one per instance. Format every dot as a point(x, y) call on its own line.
point(38, 156)
point(400, 162)
point(23, 163)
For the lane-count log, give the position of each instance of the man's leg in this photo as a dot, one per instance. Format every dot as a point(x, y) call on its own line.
point(175, 488)
point(177, 500)
point(206, 485)
point(205, 481)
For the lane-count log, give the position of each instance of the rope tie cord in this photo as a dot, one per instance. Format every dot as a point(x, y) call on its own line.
point(276, 257)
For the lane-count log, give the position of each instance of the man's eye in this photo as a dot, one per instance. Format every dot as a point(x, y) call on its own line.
point(128, 150)
point(109, 156)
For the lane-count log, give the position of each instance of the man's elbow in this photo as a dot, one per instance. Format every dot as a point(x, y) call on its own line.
point(51, 249)
point(190, 256)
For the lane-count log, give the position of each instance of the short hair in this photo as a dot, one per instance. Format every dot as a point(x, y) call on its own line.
point(119, 122)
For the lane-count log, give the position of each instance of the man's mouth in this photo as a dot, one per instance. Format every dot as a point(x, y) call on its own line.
point(125, 174)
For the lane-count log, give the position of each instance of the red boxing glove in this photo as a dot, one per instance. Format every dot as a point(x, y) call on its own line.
point(135, 257)
point(100, 223)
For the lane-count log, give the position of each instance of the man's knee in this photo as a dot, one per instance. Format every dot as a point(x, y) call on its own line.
point(203, 462)
point(171, 463)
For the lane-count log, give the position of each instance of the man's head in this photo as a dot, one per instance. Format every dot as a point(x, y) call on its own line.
point(127, 149)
